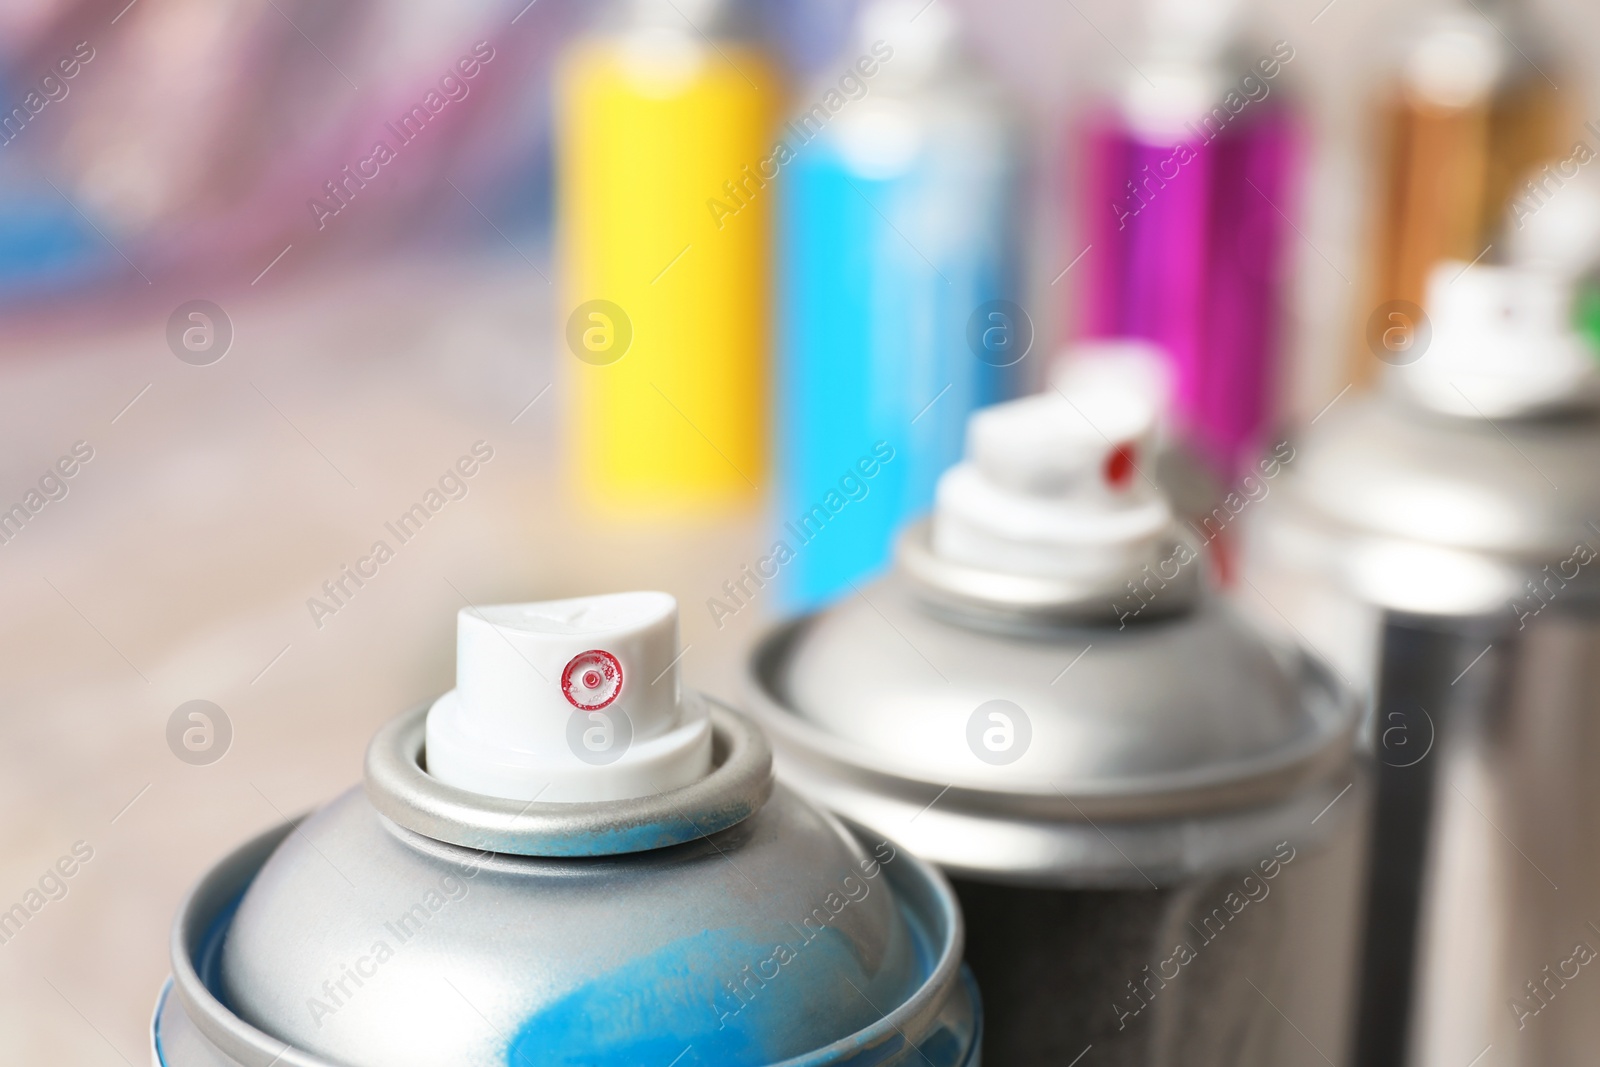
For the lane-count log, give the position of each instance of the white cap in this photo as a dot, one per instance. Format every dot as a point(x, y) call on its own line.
point(1502, 344)
point(1052, 484)
point(924, 38)
point(1456, 62)
point(569, 700)
point(1554, 218)
point(678, 14)
point(1180, 77)
point(1199, 30)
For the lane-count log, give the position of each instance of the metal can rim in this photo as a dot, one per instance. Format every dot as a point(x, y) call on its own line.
point(400, 789)
point(1229, 786)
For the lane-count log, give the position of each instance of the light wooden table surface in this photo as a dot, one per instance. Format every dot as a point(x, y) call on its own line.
point(178, 566)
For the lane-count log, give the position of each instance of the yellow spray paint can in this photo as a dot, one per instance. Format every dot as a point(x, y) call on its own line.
point(663, 223)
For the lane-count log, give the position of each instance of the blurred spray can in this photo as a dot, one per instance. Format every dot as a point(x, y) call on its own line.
point(1471, 109)
point(1187, 185)
point(595, 868)
point(1553, 221)
point(1152, 815)
point(663, 220)
point(1437, 541)
point(898, 256)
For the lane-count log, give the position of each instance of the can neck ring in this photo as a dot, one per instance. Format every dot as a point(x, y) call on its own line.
point(402, 790)
point(965, 592)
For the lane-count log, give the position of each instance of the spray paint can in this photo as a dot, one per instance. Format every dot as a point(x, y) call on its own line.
point(896, 231)
point(1152, 815)
point(1553, 222)
point(1473, 106)
point(1435, 541)
point(568, 860)
point(663, 214)
point(1188, 179)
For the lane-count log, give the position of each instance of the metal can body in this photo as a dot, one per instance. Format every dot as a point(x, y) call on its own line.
point(1190, 242)
point(896, 228)
point(1436, 561)
point(665, 282)
point(1454, 150)
point(686, 927)
point(1172, 855)
point(1190, 954)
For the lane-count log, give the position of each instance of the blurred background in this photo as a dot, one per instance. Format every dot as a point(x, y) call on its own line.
point(275, 274)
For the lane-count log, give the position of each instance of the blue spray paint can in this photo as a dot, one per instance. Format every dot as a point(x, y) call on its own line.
point(568, 860)
point(896, 236)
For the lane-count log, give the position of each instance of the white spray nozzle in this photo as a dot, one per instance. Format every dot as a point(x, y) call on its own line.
point(569, 700)
point(1502, 344)
point(1142, 368)
point(1052, 483)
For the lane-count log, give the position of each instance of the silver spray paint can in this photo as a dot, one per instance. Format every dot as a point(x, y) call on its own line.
point(1152, 815)
point(568, 860)
point(1438, 543)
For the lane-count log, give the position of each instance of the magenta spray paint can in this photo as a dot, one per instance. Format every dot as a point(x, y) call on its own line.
point(1184, 199)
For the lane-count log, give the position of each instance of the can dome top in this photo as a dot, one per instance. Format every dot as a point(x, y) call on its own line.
point(1045, 656)
point(1474, 468)
point(424, 919)
point(346, 940)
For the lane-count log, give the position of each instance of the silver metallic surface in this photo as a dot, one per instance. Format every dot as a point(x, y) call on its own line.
point(1168, 761)
point(1004, 598)
point(350, 940)
point(1194, 718)
point(401, 789)
point(1403, 544)
point(1423, 513)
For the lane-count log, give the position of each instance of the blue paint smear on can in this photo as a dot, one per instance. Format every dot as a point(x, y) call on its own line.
point(686, 1004)
point(895, 226)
